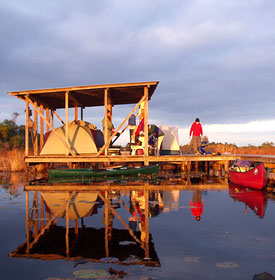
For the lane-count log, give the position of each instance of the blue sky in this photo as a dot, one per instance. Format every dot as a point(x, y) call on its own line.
point(214, 59)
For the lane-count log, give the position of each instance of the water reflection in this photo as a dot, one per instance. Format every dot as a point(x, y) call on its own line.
point(131, 244)
point(256, 200)
point(196, 205)
point(152, 224)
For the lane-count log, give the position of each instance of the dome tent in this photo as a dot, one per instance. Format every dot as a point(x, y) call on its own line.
point(170, 143)
point(84, 138)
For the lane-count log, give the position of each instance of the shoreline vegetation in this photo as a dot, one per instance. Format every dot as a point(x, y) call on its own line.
point(12, 160)
point(267, 148)
point(12, 141)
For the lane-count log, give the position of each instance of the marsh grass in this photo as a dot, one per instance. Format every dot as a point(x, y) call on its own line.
point(12, 160)
point(264, 149)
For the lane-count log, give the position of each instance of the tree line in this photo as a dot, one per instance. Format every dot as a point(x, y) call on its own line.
point(12, 136)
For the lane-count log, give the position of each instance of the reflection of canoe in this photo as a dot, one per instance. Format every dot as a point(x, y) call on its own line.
point(255, 199)
point(81, 204)
point(255, 177)
point(121, 171)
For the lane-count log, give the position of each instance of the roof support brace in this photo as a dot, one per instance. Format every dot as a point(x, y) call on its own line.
point(107, 144)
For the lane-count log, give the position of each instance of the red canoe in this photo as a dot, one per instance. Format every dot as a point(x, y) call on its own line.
point(255, 178)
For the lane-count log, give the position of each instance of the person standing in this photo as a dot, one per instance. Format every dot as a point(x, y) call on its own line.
point(132, 127)
point(157, 134)
point(196, 130)
point(110, 126)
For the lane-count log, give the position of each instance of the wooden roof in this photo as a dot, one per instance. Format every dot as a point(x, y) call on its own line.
point(88, 96)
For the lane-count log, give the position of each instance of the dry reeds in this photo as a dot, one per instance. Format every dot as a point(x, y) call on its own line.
point(12, 160)
point(264, 149)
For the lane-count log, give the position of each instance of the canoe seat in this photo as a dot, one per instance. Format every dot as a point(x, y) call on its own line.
point(242, 168)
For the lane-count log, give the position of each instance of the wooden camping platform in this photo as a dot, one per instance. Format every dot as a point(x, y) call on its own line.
point(220, 163)
point(150, 159)
point(45, 102)
point(129, 158)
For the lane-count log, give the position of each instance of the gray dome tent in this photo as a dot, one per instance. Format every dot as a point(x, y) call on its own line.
point(84, 138)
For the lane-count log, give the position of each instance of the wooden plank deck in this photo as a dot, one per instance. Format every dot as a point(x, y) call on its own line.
point(153, 159)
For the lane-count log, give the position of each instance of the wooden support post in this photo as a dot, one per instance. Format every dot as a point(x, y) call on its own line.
point(146, 162)
point(27, 222)
point(146, 225)
point(27, 127)
point(67, 117)
point(197, 166)
point(51, 118)
point(82, 113)
point(110, 104)
point(35, 123)
point(48, 119)
point(67, 224)
point(35, 198)
point(106, 222)
point(41, 127)
point(42, 223)
point(183, 166)
point(220, 169)
point(206, 168)
point(215, 169)
point(105, 132)
point(75, 112)
point(226, 168)
point(76, 227)
point(189, 164)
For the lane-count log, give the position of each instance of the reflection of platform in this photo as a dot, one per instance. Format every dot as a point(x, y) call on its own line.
point(82, 204)
point(89, 245)
point(47, 240)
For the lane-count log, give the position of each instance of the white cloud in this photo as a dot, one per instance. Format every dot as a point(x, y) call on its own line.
point(255, 132)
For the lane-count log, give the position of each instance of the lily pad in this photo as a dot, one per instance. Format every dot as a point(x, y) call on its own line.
point(191, 259)
point(90, 274)
point(227, 265)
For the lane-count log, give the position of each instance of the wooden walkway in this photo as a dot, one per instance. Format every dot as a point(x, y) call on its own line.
point(219, 163)
point(151, 159)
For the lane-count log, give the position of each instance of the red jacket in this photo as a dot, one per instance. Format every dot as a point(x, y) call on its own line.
point(196, 128)
point(140, 127)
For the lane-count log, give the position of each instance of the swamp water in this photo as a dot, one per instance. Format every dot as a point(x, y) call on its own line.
point(145, 231)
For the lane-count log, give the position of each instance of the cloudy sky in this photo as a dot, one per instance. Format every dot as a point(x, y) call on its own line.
point(214, 59)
